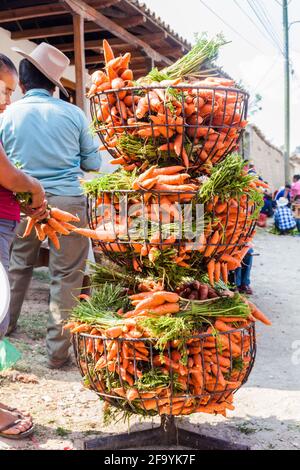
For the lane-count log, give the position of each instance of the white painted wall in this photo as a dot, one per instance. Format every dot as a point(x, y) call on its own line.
point(268, 161)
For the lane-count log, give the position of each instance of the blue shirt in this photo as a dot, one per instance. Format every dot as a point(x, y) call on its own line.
point(51, 139)
point(284, 218)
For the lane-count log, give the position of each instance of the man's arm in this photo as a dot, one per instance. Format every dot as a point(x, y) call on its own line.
point(90, 155)
point(15, 180)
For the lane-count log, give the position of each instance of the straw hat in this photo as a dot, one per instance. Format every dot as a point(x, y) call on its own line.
point(282, 201)
point(48, 60)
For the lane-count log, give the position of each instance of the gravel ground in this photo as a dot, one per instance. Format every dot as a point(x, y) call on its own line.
point(267, 413)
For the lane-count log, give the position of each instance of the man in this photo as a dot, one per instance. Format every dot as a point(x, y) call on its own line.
point(283, 218)
point(295, 191)
point(284, 192)
point(51, 139)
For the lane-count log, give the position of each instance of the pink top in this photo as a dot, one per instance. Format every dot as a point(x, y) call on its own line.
point(9, 208)
point(295, 191)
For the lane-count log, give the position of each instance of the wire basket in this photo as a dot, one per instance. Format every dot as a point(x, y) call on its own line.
point(200, 124)
point(204, 380)
point(134, 227)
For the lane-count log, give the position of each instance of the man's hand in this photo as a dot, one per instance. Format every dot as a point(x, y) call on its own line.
point(38, 213)
point(37, 196)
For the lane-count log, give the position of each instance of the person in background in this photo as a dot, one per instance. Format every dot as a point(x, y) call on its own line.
point(297, 218)
point(283, 218)
point(51, 139)
point(14, 424)
point(242, 274)
point(295, 190)
point(267, 208)
point(284, 192)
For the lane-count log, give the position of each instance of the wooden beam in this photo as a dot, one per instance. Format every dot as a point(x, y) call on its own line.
point(50, 9)
point(96, 44)
point(90, 14)
point(67, 30)
point(78, 23)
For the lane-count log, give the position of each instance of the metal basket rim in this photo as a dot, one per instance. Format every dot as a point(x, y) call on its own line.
point(200, 336)
point(165, 87)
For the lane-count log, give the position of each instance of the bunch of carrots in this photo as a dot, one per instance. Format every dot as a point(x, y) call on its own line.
point(185, 119)
point(205, 372)
point(56, 223)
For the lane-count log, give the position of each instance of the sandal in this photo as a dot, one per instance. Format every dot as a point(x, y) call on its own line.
point(19, 418)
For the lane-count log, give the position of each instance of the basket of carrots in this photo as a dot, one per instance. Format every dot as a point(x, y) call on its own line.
point(155, 352)
point(171, 115)
point(189, 222)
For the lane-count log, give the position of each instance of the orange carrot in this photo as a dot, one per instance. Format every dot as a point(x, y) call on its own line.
point(168, 170)
point(63, 215)
point(149, 303)
point(29, 227)
point(211, 272)
point(108, 52)
point(50, 233)
point(57, 226)
point(172, 179)
point(40, 232)
point(224, 271)
point(217, 271)
point(114, 331)
point(258, 314)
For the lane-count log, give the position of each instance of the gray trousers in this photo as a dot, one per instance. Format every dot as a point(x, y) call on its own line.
point(66, 269)
point(7, 231)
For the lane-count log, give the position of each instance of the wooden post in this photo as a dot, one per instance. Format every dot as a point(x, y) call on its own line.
point(78, 25)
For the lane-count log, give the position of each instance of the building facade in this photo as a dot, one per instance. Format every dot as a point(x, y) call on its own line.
point(267, 159)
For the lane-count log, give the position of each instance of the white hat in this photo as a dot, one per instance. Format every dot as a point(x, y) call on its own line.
point(282, 201)
point(50, 61)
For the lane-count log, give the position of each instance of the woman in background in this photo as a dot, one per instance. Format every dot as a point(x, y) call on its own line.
point(14, 424)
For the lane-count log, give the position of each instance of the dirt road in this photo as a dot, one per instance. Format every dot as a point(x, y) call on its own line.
point(267, 414)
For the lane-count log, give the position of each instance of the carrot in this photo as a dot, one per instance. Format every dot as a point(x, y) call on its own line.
point(173, 179)
point(224, 271)
point(114, 331)
point(217, 271)
point(50, 233)
point(230, 259)
point(40, 232)
point(117, 83)
point(232, 319)
point(258, 314)
point(132, 394)
point(29, 227)
point(168, 170)
point(166, 308)
point(68, 226)
point(166, 296)
point(86, 232)
point(57, 226)
point(212, 244)
point(140, 296)
point(63, 215)
point(211, 272)
point(108, 52)
point(149, 303)
point(127, 75)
